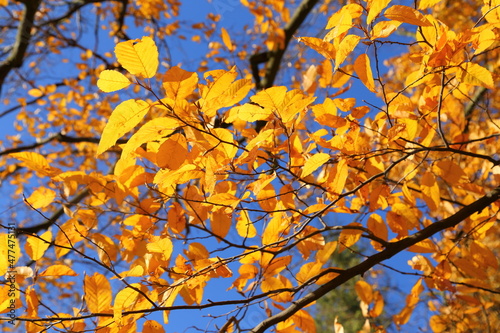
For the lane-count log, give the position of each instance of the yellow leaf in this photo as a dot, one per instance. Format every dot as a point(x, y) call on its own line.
point(476, 75)
point(41, 198)
point(227, 40)
point(339, 173)
point(349, 237)
point(153, 130)
point(425, 246)
point(424, 4)
point(304, 321)
point(384, 29)
point(138, 57)
point(364, 71)
point(430, 191)
point(124, 299)
point(97, 291)
point(58, 270)
point(313, 163)
point(163, 246)
point(341, 23)
point(35, 92)
point(252, 112)
point(36, 162)
point(214, 95)
point(36, 247)
point(124, 118)
point(345, 48)
point(244, 226)
point(110, 81)
point(178, 83)
point(364, 291)
point(485, 39)
point(376, 7)
point(406, 14)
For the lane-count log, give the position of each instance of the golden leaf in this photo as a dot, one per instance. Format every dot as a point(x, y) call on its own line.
point(124, 118)
point(58, 270)
point(364, 291)
point(97, 293)
point(227, 40)
point(41, 198)
point(36, 247)
point(138, 57)
point(313, 163)
point(364, 71)
point(345, 48)
point(36, 162)
point(178, 83)
point(376, 7)
point(406, 14)
point(110, 81)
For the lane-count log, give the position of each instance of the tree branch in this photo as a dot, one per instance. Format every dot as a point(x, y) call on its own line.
point(16, 56)
point(390, 251)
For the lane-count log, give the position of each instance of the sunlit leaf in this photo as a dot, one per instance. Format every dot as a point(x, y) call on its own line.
point(110, 81)
point(124, 118)
point(58, 270)
point(36, 247)
point(138, 57)
point(363, 69)
point(313, 163)
point(406, 14)
point(97, 291)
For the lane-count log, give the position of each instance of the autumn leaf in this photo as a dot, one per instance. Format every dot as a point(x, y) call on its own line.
point(406, 14)
point(138, 57)
point(476, 75)
point(36, 162)
point(36, 247)
point(227, 40)
point(97, 291)
point(110, 81)
point(364, 71)
point(124, 118)
point(313, 163)
point(58, 270)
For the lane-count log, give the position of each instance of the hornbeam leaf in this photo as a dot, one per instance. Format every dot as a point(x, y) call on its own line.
point(138, 57)
point(125, 117)
point(408, 15)
point(110, 81)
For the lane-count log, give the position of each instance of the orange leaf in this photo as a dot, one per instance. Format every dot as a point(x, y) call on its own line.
point(227, 40)
point(339, 173)
point(152, 326)
point(97, 292)
point(36, 247)
point(364, 71)
point(406, 14)
point(58, 270)
point(364, 291)
point(178, 83)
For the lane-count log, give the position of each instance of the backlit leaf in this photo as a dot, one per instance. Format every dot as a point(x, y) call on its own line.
point(110, 81)
point(364, 291)
point(58, 270)
point(178, 83)
point(41, 198)
point(406, 14)
point(226, 39)
point(363, 69)
point(313, 163)
point(36, 162)
point(346, 47)
point(124, 118)
point(97, 291)
point(138, 57)
point(376, 7)
point(476, 75)
point(36, 247)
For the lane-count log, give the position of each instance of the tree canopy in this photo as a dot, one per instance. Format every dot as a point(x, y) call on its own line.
point(211, 163)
